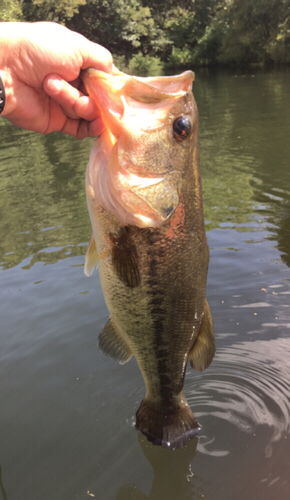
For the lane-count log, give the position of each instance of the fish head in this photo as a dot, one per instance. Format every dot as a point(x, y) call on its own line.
point(138, 165)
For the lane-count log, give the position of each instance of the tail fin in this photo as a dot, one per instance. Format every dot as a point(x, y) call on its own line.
point(170, 430)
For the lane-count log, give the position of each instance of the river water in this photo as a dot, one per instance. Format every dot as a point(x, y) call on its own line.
point(66, 411)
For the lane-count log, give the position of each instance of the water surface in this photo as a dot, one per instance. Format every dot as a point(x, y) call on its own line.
point(67, 411)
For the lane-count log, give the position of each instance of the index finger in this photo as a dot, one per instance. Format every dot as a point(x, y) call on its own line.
point(96, 56)
point(73, 102)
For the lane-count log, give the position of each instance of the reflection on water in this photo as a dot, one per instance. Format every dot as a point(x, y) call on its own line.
point(173, 477)
point(245, 151)
point(65, 407)
point(42, 197)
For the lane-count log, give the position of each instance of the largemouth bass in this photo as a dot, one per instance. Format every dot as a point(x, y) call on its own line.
point(145, 202)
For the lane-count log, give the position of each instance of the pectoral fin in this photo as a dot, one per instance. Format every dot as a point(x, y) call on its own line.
point(112, 344)
point(203, 350)
point(91, 260)
point(125, 258)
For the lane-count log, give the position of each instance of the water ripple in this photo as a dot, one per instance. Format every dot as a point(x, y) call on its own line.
point(248, 386)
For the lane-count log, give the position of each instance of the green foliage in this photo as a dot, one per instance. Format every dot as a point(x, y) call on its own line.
point(145, 65)
point(51, 10)
point(279, 48)
point(252, 29)
point(180, 57)
point(139, 25)
point(10, 10)
point(120, 62)
point(65, 9)
point(171, 34)
point(125, 27)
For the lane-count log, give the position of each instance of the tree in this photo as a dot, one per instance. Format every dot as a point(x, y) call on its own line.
point(10, 10)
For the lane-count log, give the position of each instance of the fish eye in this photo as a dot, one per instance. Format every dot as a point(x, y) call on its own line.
point(181, 127)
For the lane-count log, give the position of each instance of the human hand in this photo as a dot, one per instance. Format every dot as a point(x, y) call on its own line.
point(40, 65)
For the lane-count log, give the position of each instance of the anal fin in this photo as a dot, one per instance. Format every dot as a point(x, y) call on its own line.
point(112, 344)
point(203, 350)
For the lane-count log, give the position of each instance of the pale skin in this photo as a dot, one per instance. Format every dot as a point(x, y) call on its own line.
point(40, 65)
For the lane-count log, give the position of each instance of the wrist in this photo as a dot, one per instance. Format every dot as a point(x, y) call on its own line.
point(10, 34)
point(2, 95)
point(3, 86)
point(9, 103)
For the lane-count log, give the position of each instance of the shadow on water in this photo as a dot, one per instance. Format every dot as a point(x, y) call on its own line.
point(173, 477)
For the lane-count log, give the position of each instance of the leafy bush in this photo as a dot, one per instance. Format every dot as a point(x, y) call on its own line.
point(145, 65)
point(180, 57)
point(120, 63)
point(10, 10)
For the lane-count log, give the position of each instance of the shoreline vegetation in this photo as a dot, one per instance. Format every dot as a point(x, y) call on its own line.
point(147, 36)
